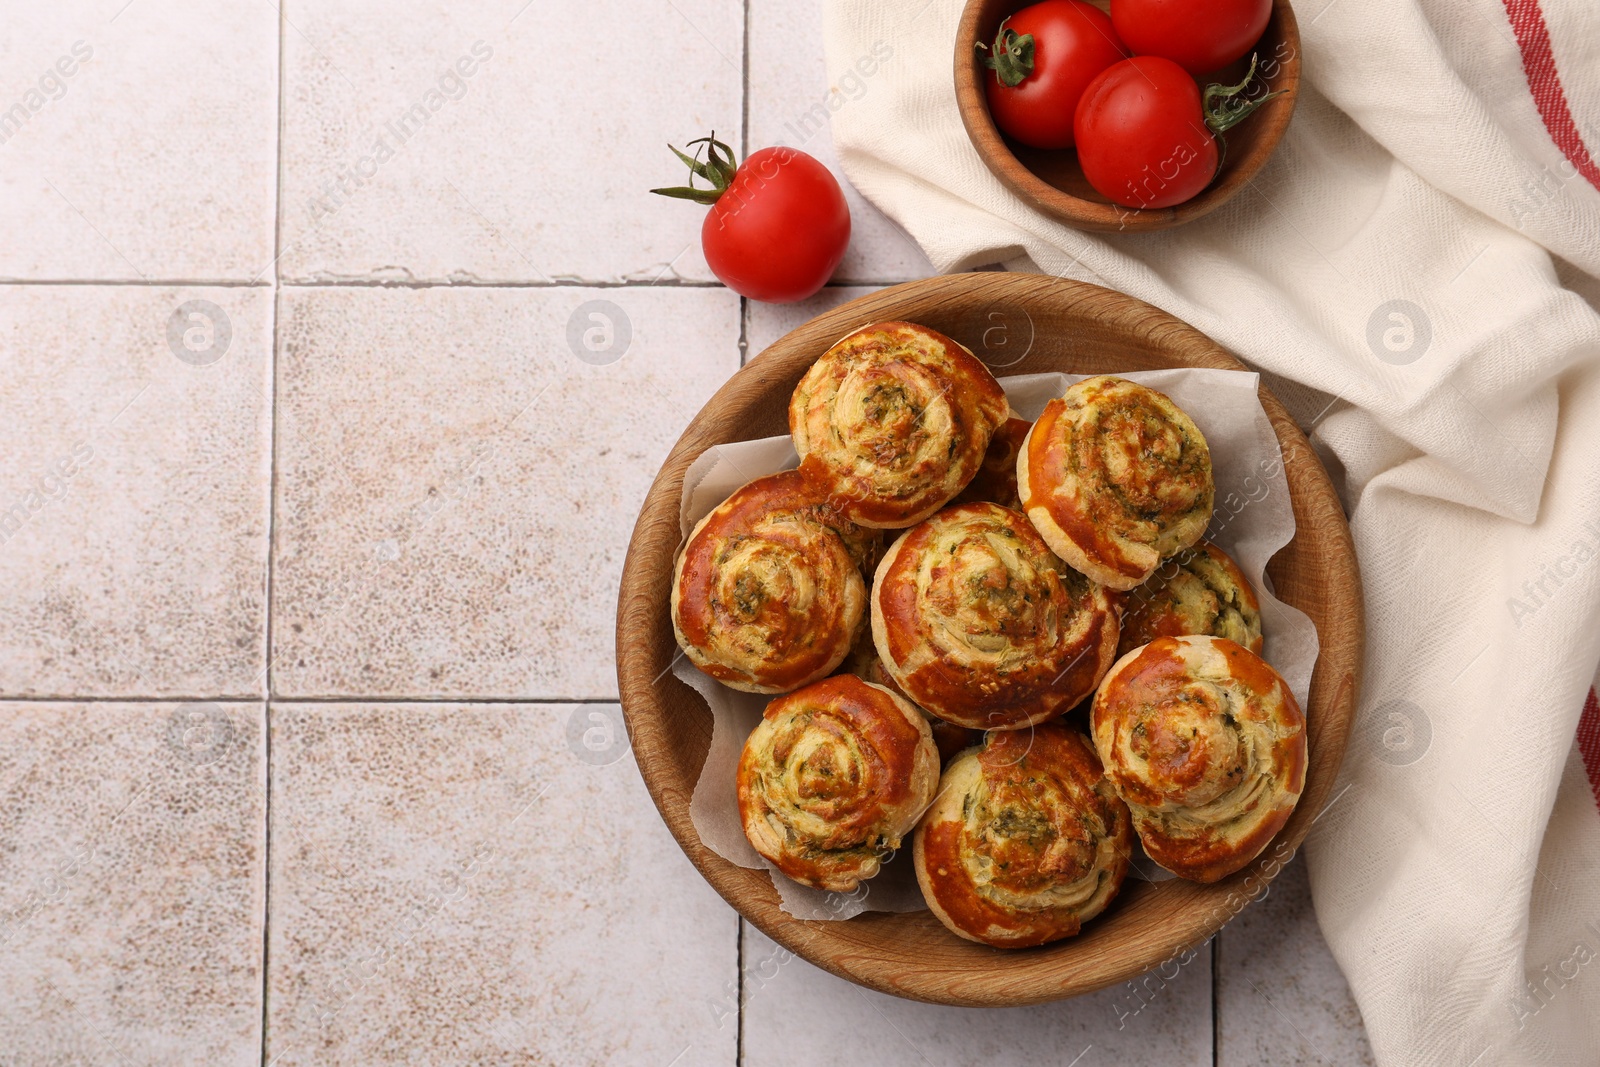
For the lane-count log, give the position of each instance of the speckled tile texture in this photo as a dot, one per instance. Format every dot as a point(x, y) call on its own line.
point(457, 474)
point(458, 144)
point(482, 884)
point(796, 1015)
point(145, 147)
point(133, 490)
point(1280, 996)
point(132, 839)
point(768, 322)
point(793, 96)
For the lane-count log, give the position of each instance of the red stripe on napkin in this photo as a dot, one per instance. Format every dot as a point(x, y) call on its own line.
point(1539, 67)
point(1589, 742)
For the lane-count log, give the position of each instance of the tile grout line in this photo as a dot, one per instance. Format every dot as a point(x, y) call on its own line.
point(744, 87)
point(1216, 1001)
point(566, 283)
point(272, 533)
point(144, 283)
point(260, 698)
point(738, 962)
point(425, 701)
point(379, 283)
point(744, 354)
point(744, 331)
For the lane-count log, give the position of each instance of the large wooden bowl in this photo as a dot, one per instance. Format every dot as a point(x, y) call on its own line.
point(1053, 183)
point(1021, 323)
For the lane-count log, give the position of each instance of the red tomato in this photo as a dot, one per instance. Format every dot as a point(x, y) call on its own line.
point(1199, 35)
point(1142, 137)
point(1072, 42)
point(778, 224)
point(780, 230)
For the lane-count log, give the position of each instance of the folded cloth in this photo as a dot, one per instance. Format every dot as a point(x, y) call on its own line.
point(1415, 271)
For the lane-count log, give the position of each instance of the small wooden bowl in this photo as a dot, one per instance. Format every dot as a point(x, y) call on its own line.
point(1020, 323)
point(1053, 183)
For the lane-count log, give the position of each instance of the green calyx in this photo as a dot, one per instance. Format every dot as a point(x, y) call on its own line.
point(1011, 57)
point(718, 168)
point(1225, 106)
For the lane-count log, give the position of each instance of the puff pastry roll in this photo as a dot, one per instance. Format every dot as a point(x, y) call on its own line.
point(1116, 477)
point(832, 779)
point(978, 622)
point(996, 480)
point(1201, 590)
point(895, 418)
point(767, 593)
point(947, 736)
point(1026, 842)
point(1206, 744)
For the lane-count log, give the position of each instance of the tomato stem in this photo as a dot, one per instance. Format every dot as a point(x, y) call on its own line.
point(1225, 107)
point(718, 168)
point(1011, 58)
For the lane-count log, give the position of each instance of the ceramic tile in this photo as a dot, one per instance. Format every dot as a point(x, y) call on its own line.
point(482, 884)
point(458, 476)
point(463, 144)
point(794, 94)
point(797, 1014)
point(134, 490)
point(131, 883)
point(139, 139)
point(1280, 996)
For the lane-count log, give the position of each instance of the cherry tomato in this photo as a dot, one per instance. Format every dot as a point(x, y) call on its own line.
point(1142, 137)
point(778, 224)
point(1199, 35)
point(1034, 85)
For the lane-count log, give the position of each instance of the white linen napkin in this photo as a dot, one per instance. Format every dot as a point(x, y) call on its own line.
point(1415, 271)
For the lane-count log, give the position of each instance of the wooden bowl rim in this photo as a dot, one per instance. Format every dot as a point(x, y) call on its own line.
point(1183, 915)
point(1090, 214)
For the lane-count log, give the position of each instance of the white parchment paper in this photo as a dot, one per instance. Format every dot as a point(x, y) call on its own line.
point(1252, 520)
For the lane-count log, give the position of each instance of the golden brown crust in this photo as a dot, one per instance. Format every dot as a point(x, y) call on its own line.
point(978, 622)
point(895, 418)
point(996, 480)
point(1205, 742)
point(1201, 590)
point(767, 594)
point(832, 778)
point(1116, 477)
point(1026, 842)
point(863, 662)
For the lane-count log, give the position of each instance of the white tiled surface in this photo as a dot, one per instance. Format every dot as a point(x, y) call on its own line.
point(796, 1015)
point(395, 501)
point(150, 152)
point(768, 322)
point(133, 490)
point(455, 485)
point(132, 878)
point(1280, 996)
point(533, 167)
point(792, 93)
point(448, 883)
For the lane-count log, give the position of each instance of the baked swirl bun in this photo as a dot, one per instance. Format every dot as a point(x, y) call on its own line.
point(863, 662)
point(979, 623)
point(1201, 590)
point(767, 593)
point(895, 418)
point(996, 480)
point(1116, 478)
point(1026, 842)
point(832, 779)
point(1206, 744)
